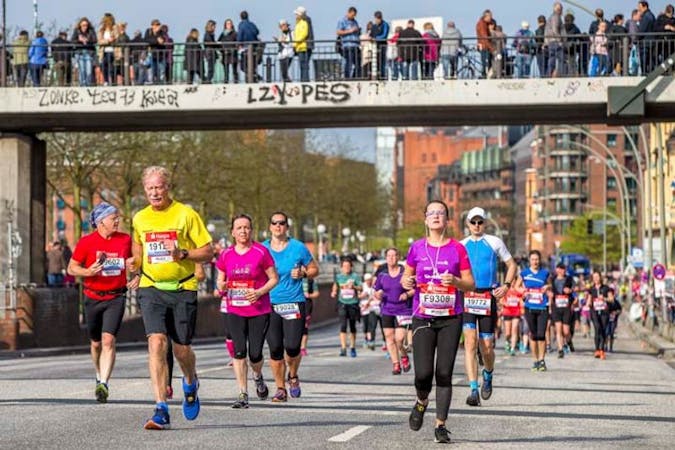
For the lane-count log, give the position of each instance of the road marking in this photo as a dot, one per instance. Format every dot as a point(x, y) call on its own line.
point(349, 434)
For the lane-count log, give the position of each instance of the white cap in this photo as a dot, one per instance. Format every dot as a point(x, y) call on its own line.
point(367, 277)
point(283, 22)
point(300, 11)
point(524, 24)
point(476, 212)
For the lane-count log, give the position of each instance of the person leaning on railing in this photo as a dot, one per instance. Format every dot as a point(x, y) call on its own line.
point(84, 38)
point(37, 54)
point(20, 58)
point(62, 55)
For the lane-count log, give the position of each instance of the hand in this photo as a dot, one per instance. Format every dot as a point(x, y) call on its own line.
point(134, 282)
point(220, 285)
point(378, 294)
point(448, 279)
point(567, 290)
point(296, 274)
point(403, 297)
point(94, 269)
point(500, 291)
point(253, 295)
point(408, 283)
point(333, 294)
point(130, 264)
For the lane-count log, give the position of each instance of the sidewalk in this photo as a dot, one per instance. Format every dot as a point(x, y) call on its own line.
point(663, 348)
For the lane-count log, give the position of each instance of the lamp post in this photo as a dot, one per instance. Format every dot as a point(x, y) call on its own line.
point(346, 232)
point(321, 230)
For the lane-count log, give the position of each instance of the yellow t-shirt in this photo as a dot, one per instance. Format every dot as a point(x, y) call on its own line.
point(178, 223)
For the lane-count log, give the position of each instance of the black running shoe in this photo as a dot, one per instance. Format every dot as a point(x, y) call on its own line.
point(261, 388)
point(571, 345)
point(441, 435)
point(486, 387)
point(561, 354)
point(474, 398)
point(416, 418)
point(241, 402)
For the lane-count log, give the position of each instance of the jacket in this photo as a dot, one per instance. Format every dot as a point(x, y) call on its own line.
point(432, 45)
point(38, 51)
point(483, 34)
point(410, 45)
point(193, 55)
point(20, 51)
point(247, 32)
point(452, 41)
point(301, 34)
point(62, 50)
point(89, 35)
point(229, 46)
point(102, 43)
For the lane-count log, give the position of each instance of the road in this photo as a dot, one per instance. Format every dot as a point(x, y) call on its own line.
point(627, 400)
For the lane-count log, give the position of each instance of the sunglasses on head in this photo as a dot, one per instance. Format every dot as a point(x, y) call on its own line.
point(278, 222)
point(476, 222)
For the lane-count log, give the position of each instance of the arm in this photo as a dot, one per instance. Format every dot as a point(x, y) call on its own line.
point(464, 282)
point(76, 269)
point(199, 255)
point(221, 281)
point(511, 269)
point(200, 275)
point(333, 291)
point(272, 280)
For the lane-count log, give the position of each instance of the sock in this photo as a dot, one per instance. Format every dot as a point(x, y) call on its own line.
point(163, 405)
point(487, 374)
point(98, 377)
point(230, 347)
point(473, 385)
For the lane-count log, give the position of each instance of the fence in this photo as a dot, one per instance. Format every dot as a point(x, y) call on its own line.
point(250, 62)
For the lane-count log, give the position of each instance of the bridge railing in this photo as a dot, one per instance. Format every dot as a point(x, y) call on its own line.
point(251, 62)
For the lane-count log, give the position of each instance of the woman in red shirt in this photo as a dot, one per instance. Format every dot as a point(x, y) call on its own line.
point(100, 258)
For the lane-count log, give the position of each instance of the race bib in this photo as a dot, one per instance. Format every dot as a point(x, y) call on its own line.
point(562, 301)
point(347, 293)
point(157, 249)
point(404, 321)
point(237, 290)
point(535, 296)
point(512, 301)
point(479, 304)
point(437, 300)
point(288, 311)
point(599, 304)
point(113, 267)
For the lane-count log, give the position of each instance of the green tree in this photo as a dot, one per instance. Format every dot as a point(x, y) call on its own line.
point(578, 240)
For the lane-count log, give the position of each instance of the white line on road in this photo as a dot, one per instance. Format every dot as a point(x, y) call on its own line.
point(349, 434)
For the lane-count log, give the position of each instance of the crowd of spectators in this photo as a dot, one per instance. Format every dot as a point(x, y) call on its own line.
point(107, 55)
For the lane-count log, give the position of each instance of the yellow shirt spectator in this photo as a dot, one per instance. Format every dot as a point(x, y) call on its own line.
point(301, 34)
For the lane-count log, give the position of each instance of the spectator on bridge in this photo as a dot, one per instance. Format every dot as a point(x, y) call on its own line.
point(209, 50)
point(573, 45)
point(599, 64)
point(193, 57)
point(168, 66)
point(452, 42)
point(665, 24)
point(368, 50)
point(499, 53)
point(646, 24)
point(541, 52)
point(20, 47)
point(484, 42)
point(107, 39)
point(300, 36)
point(393, 56)
point(156, 40)
point(553, 40)
point(62, 53)
point(228, 40)
point(122, 43)
point(37, 54)
point(599, 17)
point(248, 38)
point(617, 34)
point(432, 46)
point(410, 48)
point(380, 32)
point(56, 265)
point(310, 35)
point(84, 38)
point(286, 52)
point(524, 45)
point(348, 32)
point(139, 58)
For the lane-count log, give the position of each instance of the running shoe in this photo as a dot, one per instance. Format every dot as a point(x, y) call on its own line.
point(397, 369)
point(602, 354)
point(571, 346)
point(535, 366)
point(507, 347)
point(549, 349)
point(303, 351)
point(384, 348)
point(372, 346)
point(352, 352)
point(241, 402)
point(191, 400)
point(542, 366)
point(441, 435)
point(261, 388)
point(512, 352)
point(280, 396)
point(486, 388)
point(169, 393)
point(474, 398)
point(343, 352)
point(566, 349)
point(596, 354)
point(159, 421)
point(416, 418)
point(561, 354)
point(101, 392)
point(294, 387)
point(405, 364)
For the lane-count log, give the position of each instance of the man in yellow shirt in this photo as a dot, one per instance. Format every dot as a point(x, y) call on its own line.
point(168, 239)
point(300, 36)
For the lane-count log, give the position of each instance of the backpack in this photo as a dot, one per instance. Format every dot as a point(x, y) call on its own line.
point(338, 46)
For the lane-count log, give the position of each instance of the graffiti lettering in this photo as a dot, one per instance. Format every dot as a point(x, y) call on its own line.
point(59, 97)
point(308, 92)
point(162, 97)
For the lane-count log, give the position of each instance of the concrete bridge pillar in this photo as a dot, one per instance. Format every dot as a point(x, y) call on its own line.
point(23, 178)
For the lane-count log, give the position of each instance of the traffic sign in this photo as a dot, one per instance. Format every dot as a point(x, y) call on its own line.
point(659, 271)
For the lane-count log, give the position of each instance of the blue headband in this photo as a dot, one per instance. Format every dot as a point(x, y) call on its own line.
point(100, 212)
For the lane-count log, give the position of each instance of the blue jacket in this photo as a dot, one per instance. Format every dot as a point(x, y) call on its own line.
point(38, 51)
point(247, 31)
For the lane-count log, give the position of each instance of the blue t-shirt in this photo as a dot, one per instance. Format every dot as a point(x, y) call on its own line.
point(288, 290)
point(483, 254)
point(351, 39)
point(533, 283)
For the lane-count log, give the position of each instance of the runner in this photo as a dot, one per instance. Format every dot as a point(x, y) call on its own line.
point(480, 306)
point(438, 268)
point(562, 290)
point(614, 308)
point(100, 258)
point(396, 310)
point(246, 275)
point(311, 291)
point(534, 280)
point(346, 287)
point(599, 313)
point(287, 321)
point(169, 238)
point(512, 303)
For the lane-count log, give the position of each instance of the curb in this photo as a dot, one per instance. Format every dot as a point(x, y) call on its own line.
point(664, 348)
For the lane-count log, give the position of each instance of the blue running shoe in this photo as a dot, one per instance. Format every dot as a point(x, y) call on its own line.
point(159, 421)
point(294, 387)
point(486, 387)
point(352, 352)
point(191, 401)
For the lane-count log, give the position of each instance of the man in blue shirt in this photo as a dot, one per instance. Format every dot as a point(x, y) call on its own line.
point(348, 32)
point(247, 33)
point(480, 306)
point(380, 32)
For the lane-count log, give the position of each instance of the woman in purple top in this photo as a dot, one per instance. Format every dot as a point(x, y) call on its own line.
point(438, 268)
point(396, 309)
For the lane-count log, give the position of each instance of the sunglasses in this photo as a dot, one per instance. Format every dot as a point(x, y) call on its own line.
point(476, 222)
point(279, 222)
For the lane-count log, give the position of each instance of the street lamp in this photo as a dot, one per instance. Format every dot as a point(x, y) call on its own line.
point(321, 230)
point(346, 232)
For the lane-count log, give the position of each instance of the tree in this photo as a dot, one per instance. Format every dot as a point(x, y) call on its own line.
point(577, 240)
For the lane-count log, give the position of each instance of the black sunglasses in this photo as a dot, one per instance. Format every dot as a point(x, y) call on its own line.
point(278, 222)
point(476, 222)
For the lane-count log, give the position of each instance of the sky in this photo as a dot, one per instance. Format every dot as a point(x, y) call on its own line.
point(183, 15)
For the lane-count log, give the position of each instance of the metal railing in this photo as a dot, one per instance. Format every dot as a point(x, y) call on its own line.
point(250, 62)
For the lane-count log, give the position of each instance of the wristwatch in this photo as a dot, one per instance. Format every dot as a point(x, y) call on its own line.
point(183, 254)
point(507, 283)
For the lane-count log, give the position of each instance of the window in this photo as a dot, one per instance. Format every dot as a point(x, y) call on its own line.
point(611, 183)
point(433, 157)
point(611, 140)
point(424, 157)
point(611, 203)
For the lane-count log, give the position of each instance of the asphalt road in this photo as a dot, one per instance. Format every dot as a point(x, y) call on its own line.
point(626, 401)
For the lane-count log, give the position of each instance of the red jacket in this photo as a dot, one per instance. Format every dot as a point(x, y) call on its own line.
point(483, 34)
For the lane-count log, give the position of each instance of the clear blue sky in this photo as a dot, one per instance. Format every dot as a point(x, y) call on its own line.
point(181, 15)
